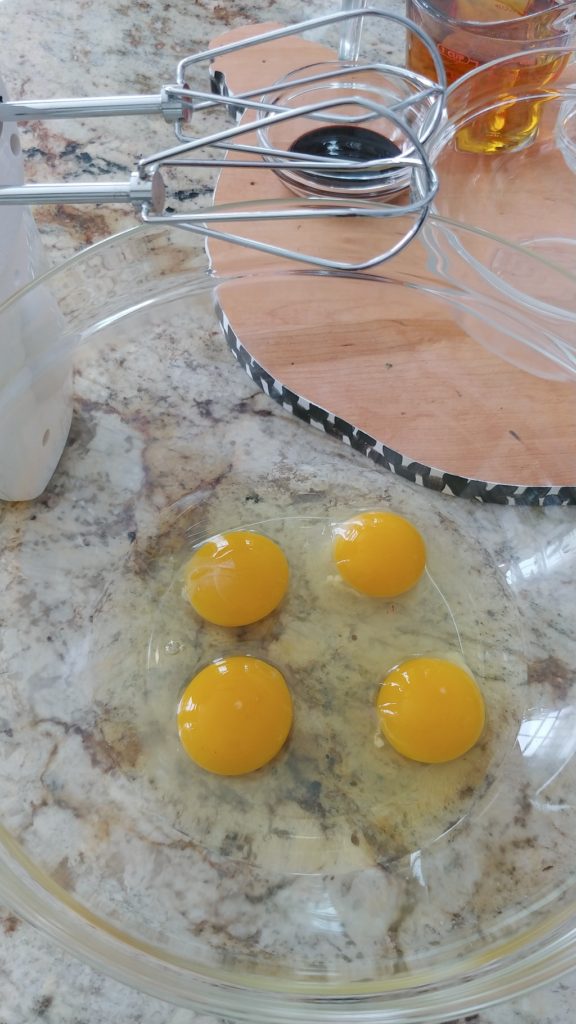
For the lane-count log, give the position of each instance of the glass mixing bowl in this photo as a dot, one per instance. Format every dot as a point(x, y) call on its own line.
point(342, 883)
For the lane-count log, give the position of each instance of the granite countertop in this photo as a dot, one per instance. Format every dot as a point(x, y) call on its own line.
point(76, 47)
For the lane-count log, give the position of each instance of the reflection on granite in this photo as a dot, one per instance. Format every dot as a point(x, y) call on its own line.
point(69, 48)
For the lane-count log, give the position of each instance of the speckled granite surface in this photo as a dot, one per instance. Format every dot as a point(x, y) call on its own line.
point(66, 48)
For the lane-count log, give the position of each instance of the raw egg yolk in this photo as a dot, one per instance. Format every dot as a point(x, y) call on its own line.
point(379, 553)
point(236, 578)
point(430, 710)
point(235, 715)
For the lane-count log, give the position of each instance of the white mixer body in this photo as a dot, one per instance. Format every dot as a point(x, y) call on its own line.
point(35, 375)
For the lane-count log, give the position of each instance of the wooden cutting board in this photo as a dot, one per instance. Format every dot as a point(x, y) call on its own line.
point(377, 363)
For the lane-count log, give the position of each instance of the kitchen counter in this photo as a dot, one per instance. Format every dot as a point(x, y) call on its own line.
point(66, 48)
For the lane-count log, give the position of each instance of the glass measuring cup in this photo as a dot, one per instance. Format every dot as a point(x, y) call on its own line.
point(469, 34)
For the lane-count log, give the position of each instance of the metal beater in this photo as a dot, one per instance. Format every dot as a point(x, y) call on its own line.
point(410, 104)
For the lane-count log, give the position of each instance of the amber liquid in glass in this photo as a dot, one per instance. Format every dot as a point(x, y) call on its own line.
point(510, 121)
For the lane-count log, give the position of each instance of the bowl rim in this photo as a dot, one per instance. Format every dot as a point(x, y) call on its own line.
point(534, 957)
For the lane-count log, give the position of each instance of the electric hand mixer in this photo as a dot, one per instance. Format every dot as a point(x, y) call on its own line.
point(346, 140)
point(411, 105)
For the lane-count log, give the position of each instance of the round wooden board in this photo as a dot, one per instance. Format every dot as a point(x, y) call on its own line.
point(375, 362)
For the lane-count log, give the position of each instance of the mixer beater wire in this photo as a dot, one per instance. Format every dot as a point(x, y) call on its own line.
point(341, 164)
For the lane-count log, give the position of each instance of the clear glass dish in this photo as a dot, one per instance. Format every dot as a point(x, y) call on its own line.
point(567, 133)
point(308, 892)
point(504, 160)
point(344, 126)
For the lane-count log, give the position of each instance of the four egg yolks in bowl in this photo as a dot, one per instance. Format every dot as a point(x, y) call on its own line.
point(235, 715)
